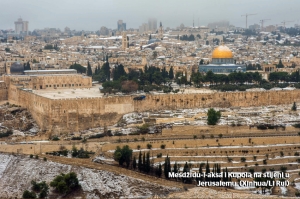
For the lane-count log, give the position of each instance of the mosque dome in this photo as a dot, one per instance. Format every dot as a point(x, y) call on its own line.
point(222, 52)
point(17, 68)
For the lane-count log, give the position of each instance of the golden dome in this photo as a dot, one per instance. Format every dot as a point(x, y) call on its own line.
point(222, 52)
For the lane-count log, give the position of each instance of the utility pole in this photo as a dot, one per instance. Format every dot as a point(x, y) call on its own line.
point(262, 23)
point(246, 15)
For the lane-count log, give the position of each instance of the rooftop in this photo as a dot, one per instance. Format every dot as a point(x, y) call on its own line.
point(64, 93)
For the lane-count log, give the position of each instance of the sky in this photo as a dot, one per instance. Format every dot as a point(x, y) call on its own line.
point(92, 14)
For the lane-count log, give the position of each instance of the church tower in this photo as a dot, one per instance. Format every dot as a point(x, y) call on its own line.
point(125, 41)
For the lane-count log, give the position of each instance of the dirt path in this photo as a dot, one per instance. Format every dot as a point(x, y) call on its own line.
point(117, 170)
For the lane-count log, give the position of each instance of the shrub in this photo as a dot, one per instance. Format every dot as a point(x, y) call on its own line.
point(281, 153)
point(31, 156)
point(264, 161)
point(149, 146)
point(296, 154)
point(243, 159)
point(163, 146)
point(28, 194)
point(195, 136)
point(159, 155)
point(76, 138)
point(100, 135)
point(45, 159)
point(220, 135)
point(36, 157)
point(55, 138)
point(65, 183)
point(283, 169)
point(6, 134)
point(212, 136)
point(138, 147)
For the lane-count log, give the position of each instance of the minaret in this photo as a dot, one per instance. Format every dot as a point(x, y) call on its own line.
point(160, 31)
point(193, 22)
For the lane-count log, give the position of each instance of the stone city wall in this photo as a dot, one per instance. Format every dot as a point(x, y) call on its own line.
point(67, 115)
point(3, 91)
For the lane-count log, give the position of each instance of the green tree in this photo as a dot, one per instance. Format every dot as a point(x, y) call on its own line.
point(159, 170)
point(207, 171)
point(78, 67)
point(89, 70)
point(171, 73)
point(213, 116)
point(105, 69)
point(134, 163)
point(65, 183)
point(280, 64)
point(167, 167)
point(123, 155)
point(294, 107)
point(28, 194)
point(140, 164)
point(147, 164)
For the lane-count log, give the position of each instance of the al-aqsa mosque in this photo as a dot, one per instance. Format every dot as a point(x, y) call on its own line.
point(222, 62)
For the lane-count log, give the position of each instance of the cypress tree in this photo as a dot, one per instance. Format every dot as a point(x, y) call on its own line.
point(89, 70)
point(28, 66)
point(144, 162)
point(169, 165)
point(185, 170)
point(207, 171)
point(175, 169)
point(219, 171)
point(171, 73)
point(140, 162)
point(98, 69)
point(147, 166)
point(294, 107)
point(200, 172)
point(159, 172)
point(166, 167)
point(134, 163)
point(106, 70)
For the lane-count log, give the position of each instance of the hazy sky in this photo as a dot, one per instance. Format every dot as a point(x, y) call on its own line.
point(92, 14)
